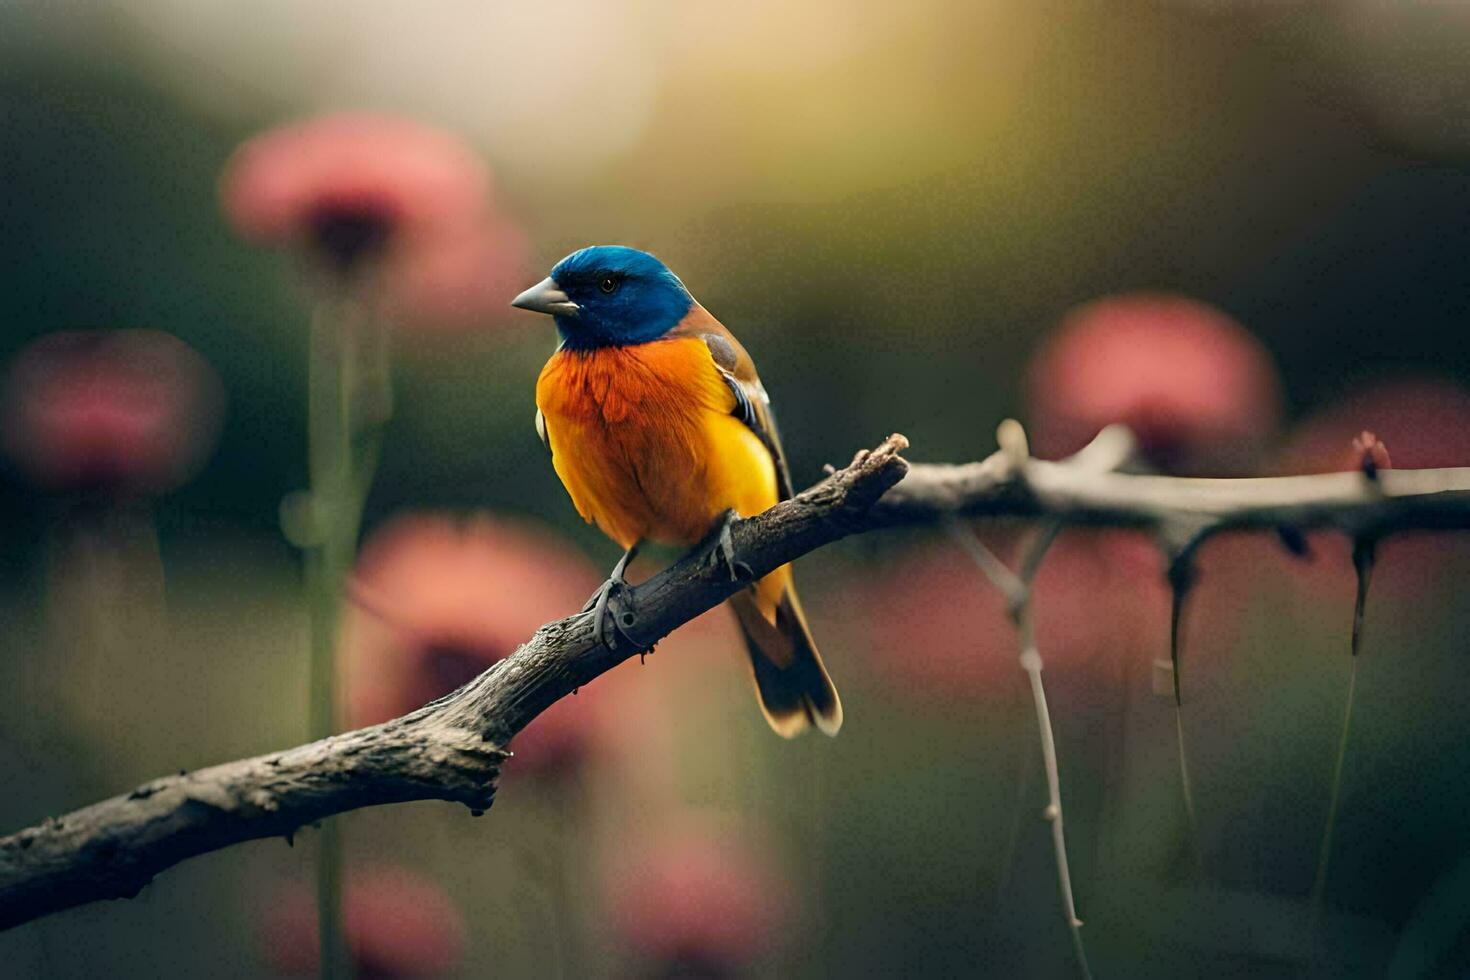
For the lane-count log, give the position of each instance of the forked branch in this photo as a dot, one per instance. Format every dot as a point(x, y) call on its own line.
point(452, 749)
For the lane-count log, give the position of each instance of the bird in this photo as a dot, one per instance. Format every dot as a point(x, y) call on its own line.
point(661, 431)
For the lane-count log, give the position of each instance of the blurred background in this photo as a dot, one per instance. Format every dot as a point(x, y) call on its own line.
point(1238, 226)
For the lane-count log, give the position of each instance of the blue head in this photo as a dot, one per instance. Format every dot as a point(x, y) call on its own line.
point(608, 295)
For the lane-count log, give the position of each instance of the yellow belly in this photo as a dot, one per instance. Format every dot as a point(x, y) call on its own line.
point(643, 439)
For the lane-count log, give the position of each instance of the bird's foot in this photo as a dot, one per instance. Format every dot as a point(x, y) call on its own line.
point(600, 596)
point(612, 601)
point(617, 608)
point(725, 542)
point(616, 580)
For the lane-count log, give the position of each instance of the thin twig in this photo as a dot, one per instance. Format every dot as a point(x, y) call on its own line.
point(1031, 663)
point(1017, 589)
point(1006, 581)
point(1014, 591)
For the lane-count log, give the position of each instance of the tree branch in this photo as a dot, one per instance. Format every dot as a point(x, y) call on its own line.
point(1085, 490)
point(452, 749)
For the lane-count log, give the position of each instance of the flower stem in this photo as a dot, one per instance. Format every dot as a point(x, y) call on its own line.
point(341, 452)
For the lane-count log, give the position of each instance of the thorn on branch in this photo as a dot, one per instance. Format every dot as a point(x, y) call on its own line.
point(1370, 454)
point(1011, 437)
point(1110, 450)
point(1181, 539)
point(1365, 553)
point(1181, 578)
point(1294, 541)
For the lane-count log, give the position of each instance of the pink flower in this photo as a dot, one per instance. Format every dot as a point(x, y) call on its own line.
point(437, 601)
point(349, 184)
point(696, 897)
point(398, 924)
point(120, 411)
point(1198, 390)
point(413, 201)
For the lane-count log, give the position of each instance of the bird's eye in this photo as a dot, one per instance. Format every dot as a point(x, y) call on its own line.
point(610, 284)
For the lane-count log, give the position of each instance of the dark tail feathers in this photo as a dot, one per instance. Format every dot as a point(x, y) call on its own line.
point(798, 694)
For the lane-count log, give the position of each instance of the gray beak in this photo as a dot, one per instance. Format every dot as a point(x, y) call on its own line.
point(546, 297)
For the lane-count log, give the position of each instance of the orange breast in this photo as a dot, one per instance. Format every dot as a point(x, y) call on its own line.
point(643, 439)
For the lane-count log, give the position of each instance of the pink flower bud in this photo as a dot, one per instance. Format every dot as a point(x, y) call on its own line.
point(117, 411)
point(349, 185)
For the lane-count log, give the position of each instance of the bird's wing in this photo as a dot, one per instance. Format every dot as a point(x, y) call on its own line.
point(752, 404)
point(541, 431)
